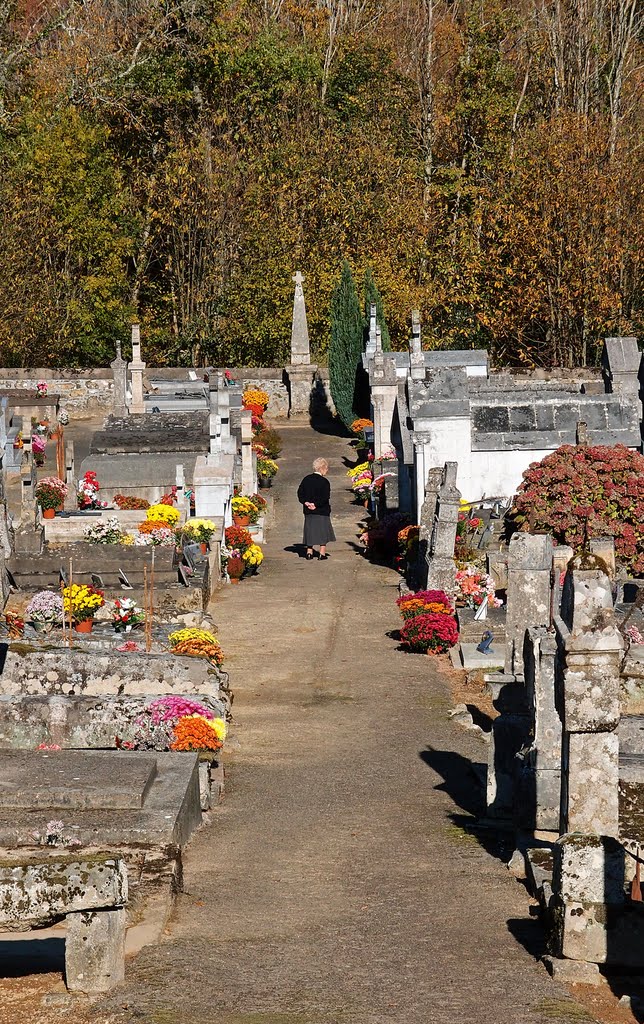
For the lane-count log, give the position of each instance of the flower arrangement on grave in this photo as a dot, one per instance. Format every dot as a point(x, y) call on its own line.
point(108, 532)
point(197, 643)
point(18, 441)
point(361, 479)
point(199, 530)
point(237, 538)
point(266, 467)
point(156, 724)
point(234, 564)
point(126, 614)
point(41, 388)
point(244, 512)
point(46, 608)
point(474, 587)
point(258, 425)
point(271, 441)
point(360, 425)
point(378, 483)
point(15, 625)
point(255, 396)
point(380, 537)
point(259, 502)
point(51, 492)
point(424, 602)
point(130, 503)
point(169, 498)
point(164, 515)
point(87, 494)
point(156, 534)
point(41, 427)
point(195, 732)
point(38, 446)
point(82, 601)
point(255, 410)
point(584, 491)
point(408, 539)
point(634, 635)
point(388, 454)
point(253, 556)
point(429, 633)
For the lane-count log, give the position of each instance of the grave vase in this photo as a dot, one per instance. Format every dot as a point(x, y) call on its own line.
point(204, 547)
point(48, 513)
point(241, 520)
point(85, 626)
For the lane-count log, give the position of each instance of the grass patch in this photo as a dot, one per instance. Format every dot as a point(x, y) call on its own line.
point(459, 835)
point(563, 1010)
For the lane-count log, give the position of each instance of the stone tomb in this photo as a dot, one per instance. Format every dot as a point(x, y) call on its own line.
point(145, 804)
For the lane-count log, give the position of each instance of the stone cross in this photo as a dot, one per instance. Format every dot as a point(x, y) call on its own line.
point(137, 404)
point(119, 374)
point(371, 340)
point(300, 349)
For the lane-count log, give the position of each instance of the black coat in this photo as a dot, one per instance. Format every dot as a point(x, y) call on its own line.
point(317, 489)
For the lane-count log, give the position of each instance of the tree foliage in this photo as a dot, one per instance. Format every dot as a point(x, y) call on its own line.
point(345, 349)
point(176, 163)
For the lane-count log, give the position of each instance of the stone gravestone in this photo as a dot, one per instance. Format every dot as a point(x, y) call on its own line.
point(300, 372)
point(137, 366)
point(441, 567)
point(416, 357)
point(119, 374)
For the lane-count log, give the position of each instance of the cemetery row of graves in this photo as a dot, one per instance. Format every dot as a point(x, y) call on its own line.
point(114, 695)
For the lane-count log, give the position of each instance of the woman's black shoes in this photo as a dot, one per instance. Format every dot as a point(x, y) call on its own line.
point(309, 557)
point(323, 558)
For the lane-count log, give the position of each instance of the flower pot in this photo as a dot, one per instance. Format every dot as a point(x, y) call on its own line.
point(48, 513)
point(204, 546)
point(85, 626)
point(265, 481)
point(241, 520)
point(235, 569)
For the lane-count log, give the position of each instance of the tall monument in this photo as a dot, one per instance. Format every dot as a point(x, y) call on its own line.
point(300, 350)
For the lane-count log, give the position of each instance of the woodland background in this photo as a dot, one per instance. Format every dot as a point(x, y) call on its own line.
point(176, 161)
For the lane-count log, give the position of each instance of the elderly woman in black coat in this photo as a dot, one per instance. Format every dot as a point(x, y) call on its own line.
point(313, 494)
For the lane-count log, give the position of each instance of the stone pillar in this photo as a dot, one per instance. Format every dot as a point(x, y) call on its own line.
point(416, 357)
point(539, 765)
point(137, 366)
point(604, 548)
point(300, 350)
point(529, 592)
point(300, 380)
point(95, 950)
point(249, 475)
point(119, 375)
point(370, 347)
point(441, 568)
point(588, 880)
point(384, 394)
point(70, 477)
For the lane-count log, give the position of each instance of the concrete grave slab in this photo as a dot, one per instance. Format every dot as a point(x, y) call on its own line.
point(473, 659)
point(75, 780)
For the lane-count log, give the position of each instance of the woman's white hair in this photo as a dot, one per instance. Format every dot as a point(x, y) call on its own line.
point(319, 464)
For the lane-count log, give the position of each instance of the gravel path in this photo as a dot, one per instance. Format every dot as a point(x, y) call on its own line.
point(344, 879)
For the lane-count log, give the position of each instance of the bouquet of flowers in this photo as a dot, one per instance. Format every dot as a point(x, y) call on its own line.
point(199, 530)
point(360, 425)
point(38, 445)
point(361, 479)
point(155, 534)
point(253, 556)
point(129, 503)
point(237, 537)
point(474, 587)
point(87, 494)
point(430, 633)
point(82, 601)
point(197, 643)
point(243, 506)
point(259, 503)
point(195, 732)
point(108, 532)
point(424, 602)
point(255, 396)
point(163, 515)
point(51, 492)
point(41, 387)
point(45, 607)
point(126, 614)
point(157, 725)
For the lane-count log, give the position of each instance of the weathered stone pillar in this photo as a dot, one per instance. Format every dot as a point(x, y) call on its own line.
point(621, 360)
point(441, 568)
point(588, 880)
point(529, 592)
point(384, 394)
point(538, 792)
point(370, 347)
point(95, 950)
point(300, 349)
point(119, 375)
point(137, 366)
point(416, 357)
point(249, 476)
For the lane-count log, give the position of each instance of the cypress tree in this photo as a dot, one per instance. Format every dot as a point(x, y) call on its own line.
point(371, 294)
point(345, 350)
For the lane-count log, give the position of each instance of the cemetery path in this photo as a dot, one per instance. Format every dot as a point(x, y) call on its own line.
point(342, 881)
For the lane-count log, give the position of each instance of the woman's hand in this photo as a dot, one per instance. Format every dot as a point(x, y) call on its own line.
point(310, 505)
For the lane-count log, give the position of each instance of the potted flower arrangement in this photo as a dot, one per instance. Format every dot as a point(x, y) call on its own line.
point(252, 558)
point(473, 587)
point(260, 503)
point(163, 515)
point(156, 534)
point(87, 494)
point(243, 510)
point(237, 541)
point(429, 633)
point(108, 532)
point(38, 445)
point(424, 602)
point(81, 602)
point(50, 495)
point(361, 478)
point(266, 470)
point(126, 614)
point(255, 396)
point(18, 442)
point(45, 610)
point(197, 643)
point(176, 723)
point(130, 503)
point(199, 531)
